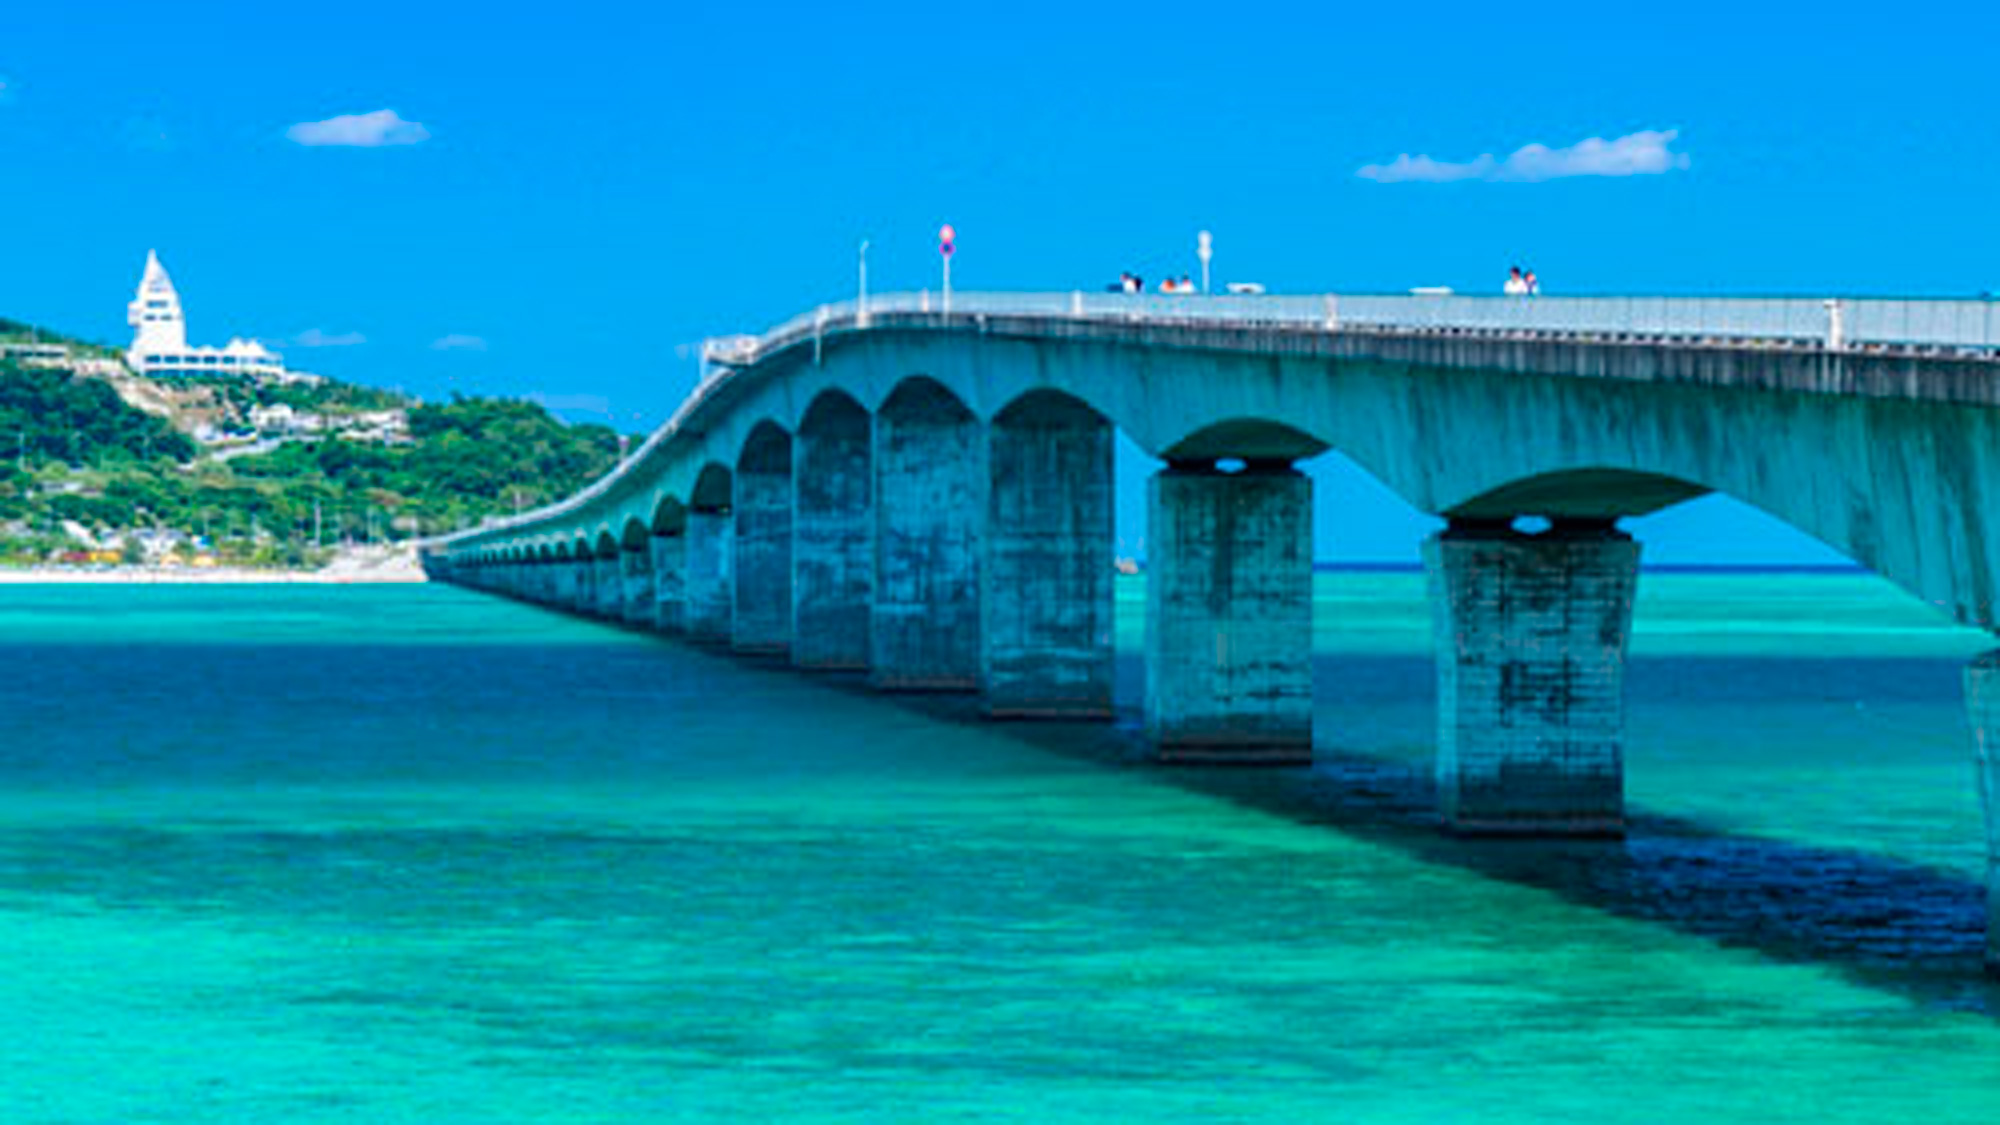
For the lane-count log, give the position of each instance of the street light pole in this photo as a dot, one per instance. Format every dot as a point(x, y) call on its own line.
point(861, 306)
point(1204, 248)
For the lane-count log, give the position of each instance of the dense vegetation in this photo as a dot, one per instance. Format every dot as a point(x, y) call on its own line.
point(14, 330)
point(80, 454)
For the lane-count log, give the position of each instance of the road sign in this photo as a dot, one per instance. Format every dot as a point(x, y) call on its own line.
point(1205, 246)
point(947, 239)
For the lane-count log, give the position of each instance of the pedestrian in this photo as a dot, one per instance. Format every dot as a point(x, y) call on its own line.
point(1516, 284)
point(1529, 285)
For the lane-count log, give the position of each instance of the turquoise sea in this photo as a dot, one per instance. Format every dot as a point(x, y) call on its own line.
point(417, 854)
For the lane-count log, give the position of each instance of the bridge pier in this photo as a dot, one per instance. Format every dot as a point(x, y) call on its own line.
point(1229, 614)
point(711, 597)
point(609, 584)
point(930, 500)
point(584, 586)
point(1982, 704)
point(639, 596)
point(670, 580)
point(833, 541)
point(763, 509)
point(1047, 603)
point(1531, 638)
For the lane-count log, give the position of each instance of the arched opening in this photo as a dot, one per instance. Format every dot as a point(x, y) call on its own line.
point(714, 490)
point(833, 535)
point(930, 491)
point(669, 516)
point(763, 515)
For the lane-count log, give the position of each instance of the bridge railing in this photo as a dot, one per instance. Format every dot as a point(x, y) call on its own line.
point(1963, 327)
point(1971, 326)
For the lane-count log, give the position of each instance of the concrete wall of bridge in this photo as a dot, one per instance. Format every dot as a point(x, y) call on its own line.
point(953, 553)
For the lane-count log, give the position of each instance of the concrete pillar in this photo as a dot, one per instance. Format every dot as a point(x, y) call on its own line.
point(1982, 705)
point(710, 586)
point(833, 536)
point(763, 510)
point(1047, 606)
point(930, 500)
point(583, 588)
point(1531, 636)
point(1229, 614)
point(670, 581)
point(610, 586)
point(637, 563)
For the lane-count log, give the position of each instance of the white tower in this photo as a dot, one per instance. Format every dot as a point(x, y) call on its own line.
point(156, 313)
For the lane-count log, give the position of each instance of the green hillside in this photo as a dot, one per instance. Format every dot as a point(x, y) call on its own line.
point(74, 455)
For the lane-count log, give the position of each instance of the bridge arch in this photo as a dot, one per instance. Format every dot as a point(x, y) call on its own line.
point(634, 535)
point(669, 516)
point(714, 489)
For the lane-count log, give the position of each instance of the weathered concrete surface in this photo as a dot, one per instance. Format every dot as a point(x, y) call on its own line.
point(1229, 615)
point(1047, 598)
point(1982, 704)
point(610, 587)
point(583, 585)
point(639, 596)
point(1531, 641)
point(833, 536)
point(1886, 458)
point(711, 582)
point(763, 510)
point(930, 491)
point(670, 581)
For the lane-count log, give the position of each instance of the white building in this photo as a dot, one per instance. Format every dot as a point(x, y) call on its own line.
point(160, 347)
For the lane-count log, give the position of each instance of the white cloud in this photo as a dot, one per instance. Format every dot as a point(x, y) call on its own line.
point(1645, 153)
point(314, 338)
point(379, 129)
point(458, 342)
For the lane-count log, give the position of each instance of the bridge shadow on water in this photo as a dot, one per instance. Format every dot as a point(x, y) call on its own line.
point(1903, 928)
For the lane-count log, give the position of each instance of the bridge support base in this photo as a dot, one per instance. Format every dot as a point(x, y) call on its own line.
point(711, 589)
point(763, 560)
point(1982, 704)
point(930, 503)
point(609, 584)
point(1046, 626)
point(1229, 615)
point(638, 585)
point(670, 582)
point(1531, 638)
point(833, 540)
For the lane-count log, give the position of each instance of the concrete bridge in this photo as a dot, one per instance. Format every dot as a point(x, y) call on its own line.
point(923, 491)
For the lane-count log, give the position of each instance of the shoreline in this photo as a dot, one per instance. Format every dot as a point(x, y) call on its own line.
point(217, 576)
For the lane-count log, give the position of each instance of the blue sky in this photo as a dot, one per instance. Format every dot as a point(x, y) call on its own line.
point(610, 181)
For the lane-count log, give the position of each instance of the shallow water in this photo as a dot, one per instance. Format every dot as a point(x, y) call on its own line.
point(416, 854)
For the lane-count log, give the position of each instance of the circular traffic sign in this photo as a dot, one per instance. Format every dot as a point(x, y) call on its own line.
point(947, 235)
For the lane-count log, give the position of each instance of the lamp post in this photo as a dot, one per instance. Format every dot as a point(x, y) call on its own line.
point(861, 306)
point(947, 246)
point(1204, 248)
